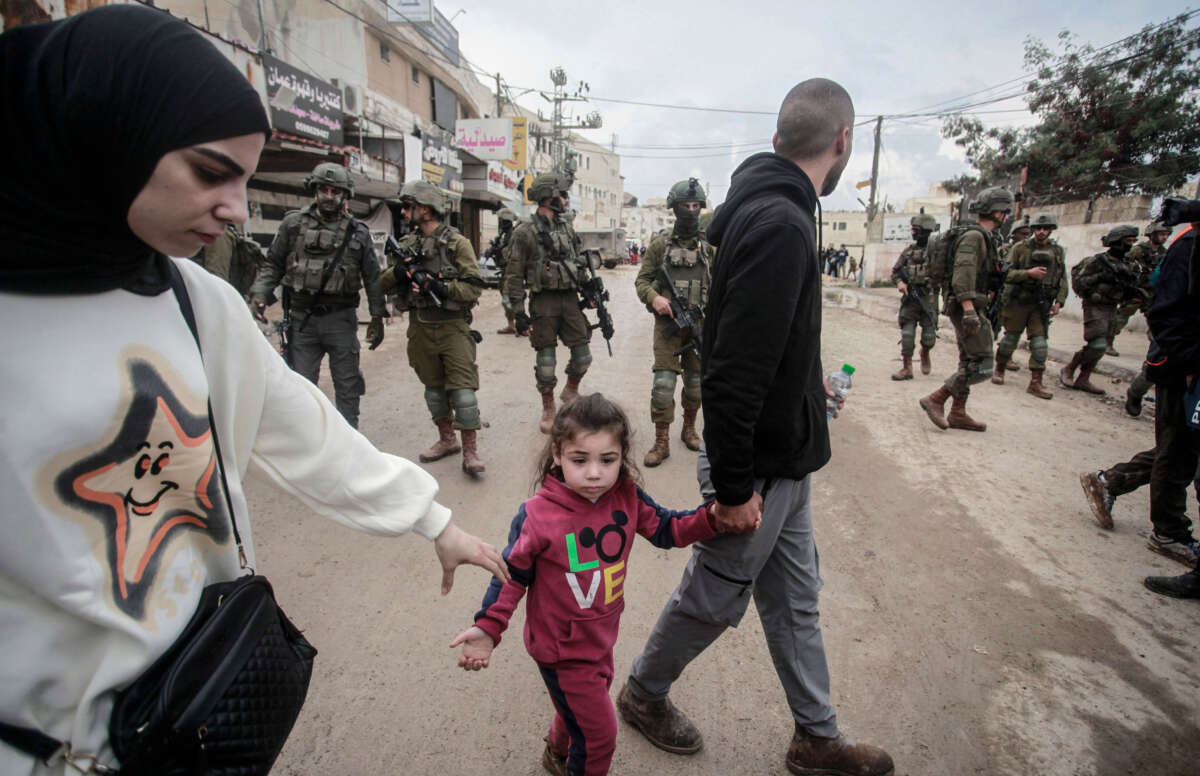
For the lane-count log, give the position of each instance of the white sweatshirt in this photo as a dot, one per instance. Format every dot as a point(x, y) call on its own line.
point(112, 514)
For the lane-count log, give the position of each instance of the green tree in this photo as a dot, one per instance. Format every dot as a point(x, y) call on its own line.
point(1124, 119)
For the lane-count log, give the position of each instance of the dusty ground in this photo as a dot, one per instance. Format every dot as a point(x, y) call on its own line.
point(975, 617)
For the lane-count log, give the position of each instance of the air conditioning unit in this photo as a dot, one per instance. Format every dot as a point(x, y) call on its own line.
point(351, 99)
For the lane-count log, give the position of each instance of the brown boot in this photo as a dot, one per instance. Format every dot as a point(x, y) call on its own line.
point(935, 406)
point(548, 411)
point(926, 361)
point(660, 722)
point(1035, 385)
point(998, 372)
point(958, 417)
point(471, 463)
point(570, 391)
point(809, 754)
point(905, 372)
point(511, 328)
point(662, 446)
point(447, 443)
point(1082, 383)
point(1066, 375)
point(691, 440)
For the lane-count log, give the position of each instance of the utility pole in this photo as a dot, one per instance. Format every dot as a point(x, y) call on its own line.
point(871, 207)
point(499, 107)
point(558, 123)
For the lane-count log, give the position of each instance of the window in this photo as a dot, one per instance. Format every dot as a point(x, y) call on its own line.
point(416, 75)
point(587, 162)
point(384, 52)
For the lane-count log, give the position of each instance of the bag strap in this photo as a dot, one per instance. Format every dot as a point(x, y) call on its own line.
point(30, 741)
point(179, 288)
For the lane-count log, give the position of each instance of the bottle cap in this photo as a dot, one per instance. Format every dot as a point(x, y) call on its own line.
point(847, 369)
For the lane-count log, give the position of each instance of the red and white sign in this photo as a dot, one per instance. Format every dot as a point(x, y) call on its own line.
point(486, 139)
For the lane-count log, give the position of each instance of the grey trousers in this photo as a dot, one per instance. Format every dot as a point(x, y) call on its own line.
point(778, 565)
point(336, 334)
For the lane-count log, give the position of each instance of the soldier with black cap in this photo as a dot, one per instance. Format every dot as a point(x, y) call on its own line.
point(687, 258)
point(911, 276)
point(323, 256)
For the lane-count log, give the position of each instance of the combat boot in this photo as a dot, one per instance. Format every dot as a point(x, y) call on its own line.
point(1013, 366)
point(471, 463)
point(809, 754)
point(1035, 385)
point(958, 417)
point(926, 361)
point(548, 411)
point(662, 446)
point(1067, 374)
point(1109, 350)
point(935, 406)
point(570, 391)
point(691, 440)
point(998, 372)
point(905, 372)
point(511, 328)
point(1082, 383)
point(660, 722)
point(447, 443)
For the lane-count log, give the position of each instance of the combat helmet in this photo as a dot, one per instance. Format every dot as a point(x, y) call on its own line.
point(1046, 219)
point(689, 190)
point(425, 193)
point(545, 185)
point(924, 221)
point(1156, 226)
point(330, 174)
point(504, 214)
point(1117, 234)
point(995, 198)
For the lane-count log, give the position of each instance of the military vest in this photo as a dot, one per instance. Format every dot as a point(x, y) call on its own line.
point(689, 268)
point(315, 245)
point(1026, 291)
point(918, 267)
point(435, 253)
point(557, 266)
point(1093, 277)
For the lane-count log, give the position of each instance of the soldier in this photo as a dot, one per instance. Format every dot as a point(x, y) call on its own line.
point(918, 298)
point(1103, 282)
point(1020, 232)
point(687, 258)
point(1034, 291)
point(976, 261)
point(1146, 256)
point(233, 257)
point(499, 254)
point(543, 258)
point(323, 256)
point(437, 280)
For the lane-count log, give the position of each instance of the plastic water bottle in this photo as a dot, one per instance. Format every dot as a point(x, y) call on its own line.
point(840, 382)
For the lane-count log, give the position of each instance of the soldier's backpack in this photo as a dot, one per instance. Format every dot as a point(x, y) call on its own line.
point(243, 265)
point(939, 255)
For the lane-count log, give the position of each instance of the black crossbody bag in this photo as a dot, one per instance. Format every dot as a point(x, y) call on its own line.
point(223, 699)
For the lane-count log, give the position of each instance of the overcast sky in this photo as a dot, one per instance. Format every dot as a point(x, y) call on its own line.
point(893, 58)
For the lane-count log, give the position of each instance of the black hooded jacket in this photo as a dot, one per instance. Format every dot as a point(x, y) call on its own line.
point(764, 397)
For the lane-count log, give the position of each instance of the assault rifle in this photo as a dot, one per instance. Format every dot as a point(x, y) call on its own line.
point(685, 318)
point(915, 294)
point(595, 295)
point(995, 288)
point(285, 328)
point(409, 268)
point(493, 250)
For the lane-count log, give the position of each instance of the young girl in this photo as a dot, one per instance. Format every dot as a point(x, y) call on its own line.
point(568, 545)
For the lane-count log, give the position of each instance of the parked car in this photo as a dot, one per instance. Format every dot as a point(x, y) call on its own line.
point(490, 272)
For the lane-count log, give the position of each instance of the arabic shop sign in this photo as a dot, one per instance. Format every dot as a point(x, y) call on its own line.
point(485, 139)
point(301, 104)
point(440, 164)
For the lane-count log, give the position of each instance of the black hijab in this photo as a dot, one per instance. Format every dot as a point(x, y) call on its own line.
point(88, 106)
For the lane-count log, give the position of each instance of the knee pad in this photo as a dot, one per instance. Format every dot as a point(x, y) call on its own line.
point(662, 393)
point(1009, 342)
point(691, 386)
point(544, 364)
point(1040, 348)
point(466, 408)
point(928, 337)
point(438, 403)
point(1095, 349)
point(908, 335)
point(581, 359)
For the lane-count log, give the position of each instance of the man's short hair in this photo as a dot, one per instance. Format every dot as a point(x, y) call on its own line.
point(812, 115)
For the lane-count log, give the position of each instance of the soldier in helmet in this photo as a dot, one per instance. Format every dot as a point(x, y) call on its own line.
point(1020, 232)
point(911, 276)
point(1104, 283)
point(544, 259)
point(1034, 291)
point(437, 281)
point(1145, 256)
point(687, 257)
point(323, 256)
point(507, 220)
point(976, 264)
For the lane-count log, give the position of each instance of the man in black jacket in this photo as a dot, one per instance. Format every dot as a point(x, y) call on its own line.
point(764, 402)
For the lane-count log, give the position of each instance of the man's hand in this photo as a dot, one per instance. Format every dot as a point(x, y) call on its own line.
point(902, 287)
point(258, 307)
point(1037, 273)
point(522, 323)
point(375, 332)
point(744, 518)
point(1054, 309)
point(970, 323)
point(455, 546)
point(832, 394)
point(477, 648)
point(662, 306)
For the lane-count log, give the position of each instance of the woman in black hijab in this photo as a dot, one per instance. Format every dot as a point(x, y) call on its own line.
point(131, 138)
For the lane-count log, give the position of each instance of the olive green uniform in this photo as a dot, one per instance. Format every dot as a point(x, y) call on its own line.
point(233, 257)
point(441, 349)
point(543, 257)
point(975, 256)
point(324, 317)
point(1025, 298)
point(1101, 283)
point(1143, 256)
point(501, 259)
point(913, 261)
point(688, 262)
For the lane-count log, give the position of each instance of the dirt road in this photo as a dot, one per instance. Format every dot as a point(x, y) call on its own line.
point(976, 619)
